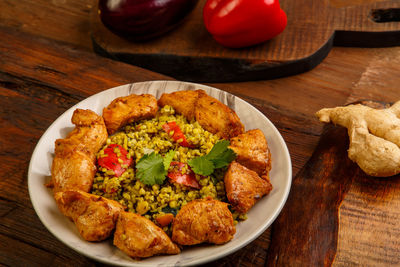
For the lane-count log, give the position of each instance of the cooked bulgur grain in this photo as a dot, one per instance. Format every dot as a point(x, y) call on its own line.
point(145, 137)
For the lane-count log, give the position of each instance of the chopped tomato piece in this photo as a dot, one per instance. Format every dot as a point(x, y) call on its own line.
point(188, 179)
point(113, 190)
point(164, 220)
point(178, 135)
point(111, 162)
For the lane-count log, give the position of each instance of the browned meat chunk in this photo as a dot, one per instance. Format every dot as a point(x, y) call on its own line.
point(127, 109)
point(182, 101)
point(74, 161)
point(216, 117)
point(72, 171)
point(253, 152)
point(211, 114)
point(244, 187)
point(204, 220)
point(139, 237)
point(88, 136)
point(94, 216)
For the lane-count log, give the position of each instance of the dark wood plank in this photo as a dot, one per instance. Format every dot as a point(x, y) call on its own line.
point(336, 214)
point(305, 233)
point(190, 53)
point(368, 231)
point(75, 74)
point(66, 21)
point(14, 253)
point(23, 230)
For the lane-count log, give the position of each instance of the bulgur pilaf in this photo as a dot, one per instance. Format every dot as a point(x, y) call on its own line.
point(144, 137)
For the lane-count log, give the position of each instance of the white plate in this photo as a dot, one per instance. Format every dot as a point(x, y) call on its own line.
point(260, 216)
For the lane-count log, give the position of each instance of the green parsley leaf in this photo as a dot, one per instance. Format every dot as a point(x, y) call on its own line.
point(218, 149)
point(202, 165)
point(220, 156)
point(150, 169)
point(168, 159)
point(224, 159)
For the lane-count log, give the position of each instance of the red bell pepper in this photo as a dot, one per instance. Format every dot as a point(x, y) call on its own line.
point(111, 162)
point(188, 179)
point(178, 134)
point(240, 23)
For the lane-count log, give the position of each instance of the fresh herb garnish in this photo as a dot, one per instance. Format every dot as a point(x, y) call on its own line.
point(219, 156)
point(168, 159)
point(201, 165)
point(152, 168)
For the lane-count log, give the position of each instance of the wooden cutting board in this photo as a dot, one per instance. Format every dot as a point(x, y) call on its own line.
point(190, 53)
point(335, 212)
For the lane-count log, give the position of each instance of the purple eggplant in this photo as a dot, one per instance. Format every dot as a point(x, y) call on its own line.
point(143, 19)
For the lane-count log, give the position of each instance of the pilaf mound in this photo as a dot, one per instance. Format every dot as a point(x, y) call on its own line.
point(144, 137)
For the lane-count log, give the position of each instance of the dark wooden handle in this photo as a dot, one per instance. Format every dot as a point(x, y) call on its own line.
point(369, 25)
point(360, 17)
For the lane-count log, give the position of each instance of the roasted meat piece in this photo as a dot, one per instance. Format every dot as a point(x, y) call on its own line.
point(88, 136)
point(244, 187)
point(74, 161)
point(127, 109)
point(211, 114)
point(139, 237)
point(72, 170)
point(203, 220)
point(94, 216)
point(252, 152)
point(216, 117)
point(182, 101)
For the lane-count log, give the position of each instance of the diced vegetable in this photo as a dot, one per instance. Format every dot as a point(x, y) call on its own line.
point(188, 179)
point(165, 219)
point(177, 136)
point(115, 160)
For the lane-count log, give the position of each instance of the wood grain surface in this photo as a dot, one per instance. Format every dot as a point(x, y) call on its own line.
point(369, 213)
point(305, 233)
point(351, 218)
point(46, 67)
point(190, 53)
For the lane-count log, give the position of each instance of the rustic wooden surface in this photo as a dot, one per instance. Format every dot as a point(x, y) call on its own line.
point(46, 66)
point(190, 52)
point(310, 233)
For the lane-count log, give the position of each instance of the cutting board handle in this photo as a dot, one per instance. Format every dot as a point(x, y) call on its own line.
point(385, 15)
point(369, 25)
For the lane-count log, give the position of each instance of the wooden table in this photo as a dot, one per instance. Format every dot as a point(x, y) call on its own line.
point(46, 66)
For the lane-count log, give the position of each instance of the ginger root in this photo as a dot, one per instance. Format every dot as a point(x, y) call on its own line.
point(374, 136)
